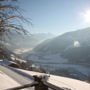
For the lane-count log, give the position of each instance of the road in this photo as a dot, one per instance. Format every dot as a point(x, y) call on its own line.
point(18, 76)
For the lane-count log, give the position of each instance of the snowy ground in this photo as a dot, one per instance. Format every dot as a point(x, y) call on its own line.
point(56, 58)
point(7, 82)
point(56, 62)
point(64, 82)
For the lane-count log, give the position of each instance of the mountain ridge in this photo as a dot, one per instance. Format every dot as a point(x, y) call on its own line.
point(68, 51)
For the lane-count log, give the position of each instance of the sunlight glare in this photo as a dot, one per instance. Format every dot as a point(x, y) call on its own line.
point(76, 43)
point(86, 16)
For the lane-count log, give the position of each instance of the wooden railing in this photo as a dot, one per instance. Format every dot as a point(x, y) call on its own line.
point(40, 83)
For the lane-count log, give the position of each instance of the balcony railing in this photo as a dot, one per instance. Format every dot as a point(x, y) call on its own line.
point(40, 83)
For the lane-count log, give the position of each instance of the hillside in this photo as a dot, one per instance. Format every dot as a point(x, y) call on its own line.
point(65, 53)
point(25, 41)
point(65, 41)
point(30, 41)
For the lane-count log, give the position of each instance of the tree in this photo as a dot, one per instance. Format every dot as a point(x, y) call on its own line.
point(10, 22)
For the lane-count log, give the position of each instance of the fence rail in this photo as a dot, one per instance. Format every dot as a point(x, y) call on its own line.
point(40, 83)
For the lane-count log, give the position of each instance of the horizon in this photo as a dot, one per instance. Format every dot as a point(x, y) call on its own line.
point(59, 33)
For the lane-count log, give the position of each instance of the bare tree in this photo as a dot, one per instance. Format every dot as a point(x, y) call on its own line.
point(10, 21)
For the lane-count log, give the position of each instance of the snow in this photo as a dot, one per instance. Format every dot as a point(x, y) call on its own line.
point(56, 62)
point(22, 50)
point(6, 62)
point(62, 82)
point(7, 82)
point(59, 81)
point(56, 58)
point(69, 83)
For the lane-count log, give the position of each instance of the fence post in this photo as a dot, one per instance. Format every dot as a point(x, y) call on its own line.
point(40, 85)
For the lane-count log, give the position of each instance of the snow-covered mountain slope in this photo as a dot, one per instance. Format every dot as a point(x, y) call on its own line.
point(74, 46)
point(65, 41)
point(64, 54)
point(26, 41)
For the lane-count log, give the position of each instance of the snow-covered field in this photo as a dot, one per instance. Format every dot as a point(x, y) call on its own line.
point(56, 62)
point(56, 58)
point(64, 82)
point(7, 82)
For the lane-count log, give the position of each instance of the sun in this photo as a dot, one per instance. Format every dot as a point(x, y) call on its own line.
point(86, 16)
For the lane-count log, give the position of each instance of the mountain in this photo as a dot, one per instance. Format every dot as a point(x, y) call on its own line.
point(74, 46)
point(65, 41)
point(26, 42)
point(67, 52)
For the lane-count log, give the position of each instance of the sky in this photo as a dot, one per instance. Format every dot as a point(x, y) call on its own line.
point(56, 16)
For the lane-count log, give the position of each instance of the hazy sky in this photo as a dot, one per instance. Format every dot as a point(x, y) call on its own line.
point(57, 16)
